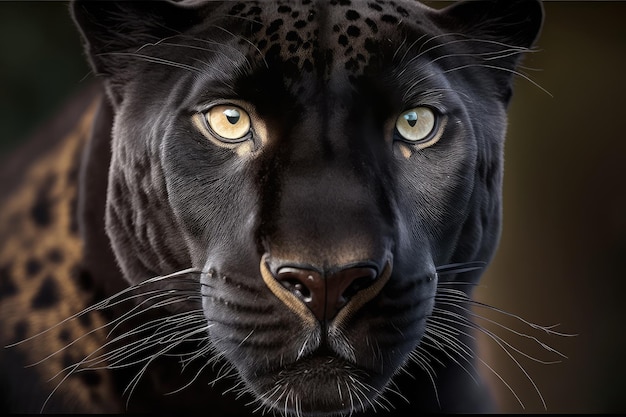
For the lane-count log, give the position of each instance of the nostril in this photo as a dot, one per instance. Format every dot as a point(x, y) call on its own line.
point(303, 283)
point(326, 294)
point(297, 288)
point(360, 283)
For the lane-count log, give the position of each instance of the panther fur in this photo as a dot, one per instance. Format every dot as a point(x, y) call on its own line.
point(245, 217)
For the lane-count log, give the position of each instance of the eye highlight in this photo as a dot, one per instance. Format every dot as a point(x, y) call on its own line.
point(417, 126)
point(230, 123)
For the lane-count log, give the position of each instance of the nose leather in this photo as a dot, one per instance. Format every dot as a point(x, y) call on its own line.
point(297, 302)
point(326, 294)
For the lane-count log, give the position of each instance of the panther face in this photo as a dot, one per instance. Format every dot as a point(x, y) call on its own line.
point(318, 164)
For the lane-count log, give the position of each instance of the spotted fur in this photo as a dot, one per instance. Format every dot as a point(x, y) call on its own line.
point(149, 264)
point(43, 280)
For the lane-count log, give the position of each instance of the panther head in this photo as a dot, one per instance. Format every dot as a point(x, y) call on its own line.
point(320, 163)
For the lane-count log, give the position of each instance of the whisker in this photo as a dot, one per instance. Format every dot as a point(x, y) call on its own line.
point(506, 384)
point(461, 267)
point(154, 60)
point(422, 358)
point(101, 305)
point(462, 297)
point(494, 67)
point(444, 323)
point(502, 51)
point(93, 360)
point(182, 338)
point(116, 322)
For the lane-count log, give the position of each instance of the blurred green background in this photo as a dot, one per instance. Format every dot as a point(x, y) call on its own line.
point(564, 237)
point(41, 64)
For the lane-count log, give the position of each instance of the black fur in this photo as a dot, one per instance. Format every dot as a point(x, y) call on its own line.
point(322, 183)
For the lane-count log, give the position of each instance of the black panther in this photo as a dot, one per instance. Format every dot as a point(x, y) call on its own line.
point(262, 206)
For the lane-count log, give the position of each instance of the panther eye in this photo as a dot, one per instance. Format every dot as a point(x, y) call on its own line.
point(417, 126)
point(230, 123)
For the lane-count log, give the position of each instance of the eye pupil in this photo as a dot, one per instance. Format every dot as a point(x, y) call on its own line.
point(411, 118)
point(229, 123)
point(417, 126)
point(232, 115)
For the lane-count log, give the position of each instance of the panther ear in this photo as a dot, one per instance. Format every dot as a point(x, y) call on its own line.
point(502, 29)
point(514, 22)
point(112, 30)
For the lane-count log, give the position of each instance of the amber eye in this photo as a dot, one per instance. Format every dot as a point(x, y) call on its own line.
point(230, 123)
point(417, 126)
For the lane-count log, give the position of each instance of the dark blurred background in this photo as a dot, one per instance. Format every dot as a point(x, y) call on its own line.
point(564, 236)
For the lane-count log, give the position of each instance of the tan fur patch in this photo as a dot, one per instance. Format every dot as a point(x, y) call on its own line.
point(40, 259)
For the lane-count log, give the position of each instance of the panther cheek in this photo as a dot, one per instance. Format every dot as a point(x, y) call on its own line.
point(403, 150)
point(244, 149)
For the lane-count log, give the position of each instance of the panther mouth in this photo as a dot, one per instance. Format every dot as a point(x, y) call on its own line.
point(321, 384)
point(306, 366)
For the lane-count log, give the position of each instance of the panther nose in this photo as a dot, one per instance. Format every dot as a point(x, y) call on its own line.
point(325, 294)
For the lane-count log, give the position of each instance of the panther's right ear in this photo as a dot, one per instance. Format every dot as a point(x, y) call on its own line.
point(500, 32)
point(113, 31)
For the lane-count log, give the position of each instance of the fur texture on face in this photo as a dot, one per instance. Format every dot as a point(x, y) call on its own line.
point(301, 193)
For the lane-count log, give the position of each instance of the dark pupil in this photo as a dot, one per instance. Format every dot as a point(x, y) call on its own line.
point(411, 118)
point(232, 116)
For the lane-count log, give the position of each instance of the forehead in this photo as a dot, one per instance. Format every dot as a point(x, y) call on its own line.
point(322, 36)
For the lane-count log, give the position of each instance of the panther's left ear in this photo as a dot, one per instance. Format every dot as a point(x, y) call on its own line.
point(113, 31)
point(500, 30)
point(513, 22)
